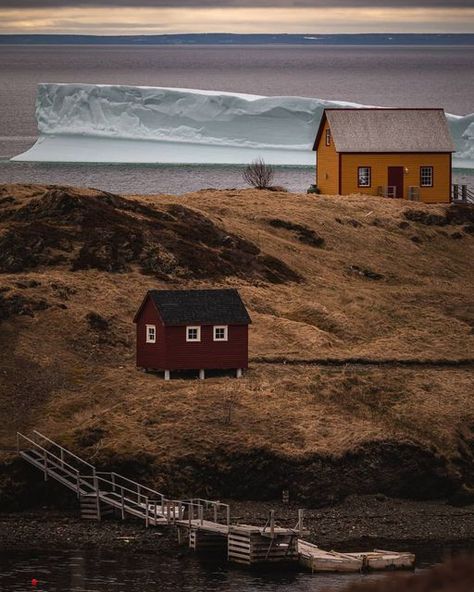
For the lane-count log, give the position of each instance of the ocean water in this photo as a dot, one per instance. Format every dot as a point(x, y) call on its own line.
point(109, 571)
point(387, 76)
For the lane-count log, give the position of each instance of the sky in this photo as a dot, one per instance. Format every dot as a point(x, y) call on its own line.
point(135, 17)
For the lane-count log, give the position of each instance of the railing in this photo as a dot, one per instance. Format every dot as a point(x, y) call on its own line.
point(462, 194)
point(50, 461)
point(114, 489)
point(414, 193)
point(63, 452)
point(387, 191)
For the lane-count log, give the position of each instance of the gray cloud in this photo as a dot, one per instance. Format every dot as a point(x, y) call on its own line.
point(19, 4)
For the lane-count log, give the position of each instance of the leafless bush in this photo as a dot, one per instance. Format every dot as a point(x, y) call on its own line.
point(258, 174)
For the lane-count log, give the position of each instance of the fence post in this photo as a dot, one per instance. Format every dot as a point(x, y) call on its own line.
point(113, 482)
point(455, 192)
point(122, 502)
point(147, 518)
point(215, 511)
point(464, 192)
point(228, 515)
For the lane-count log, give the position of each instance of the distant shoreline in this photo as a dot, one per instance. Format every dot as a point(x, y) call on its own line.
point(223, 39)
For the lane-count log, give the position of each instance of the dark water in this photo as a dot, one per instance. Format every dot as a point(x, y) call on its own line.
point(95, 571)
point(393, 76)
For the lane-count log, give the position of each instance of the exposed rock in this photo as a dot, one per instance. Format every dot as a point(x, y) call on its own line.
point(365, 272)
point(303, 233)
point(111, 233)
point(16, 304)
point(97, 322)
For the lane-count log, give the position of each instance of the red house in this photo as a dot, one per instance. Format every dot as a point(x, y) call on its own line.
point(192, 330)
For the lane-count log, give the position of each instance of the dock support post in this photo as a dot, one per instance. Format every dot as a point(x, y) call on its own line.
point(238, 373)
point(300, 521)
point(272, 523)
point(202, 374)
point(201, 514)
point(464, 192)
point(167, 375)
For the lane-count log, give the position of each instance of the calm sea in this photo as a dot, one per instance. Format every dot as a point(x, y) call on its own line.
point(375, 75)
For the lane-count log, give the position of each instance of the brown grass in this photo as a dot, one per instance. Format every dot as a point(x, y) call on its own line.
point(62, 375)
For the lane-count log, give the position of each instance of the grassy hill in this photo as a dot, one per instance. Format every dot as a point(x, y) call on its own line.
point(361, 345)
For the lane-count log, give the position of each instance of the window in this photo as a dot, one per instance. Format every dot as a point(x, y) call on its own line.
point(220, 333)
point(151, 333)
point(328, 137)
point(426, 176)
point(193, 333)
point(364, 175)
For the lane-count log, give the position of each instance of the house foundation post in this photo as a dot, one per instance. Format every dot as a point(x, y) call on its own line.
point(238, 373)
point(167, 374)
point(202, 374)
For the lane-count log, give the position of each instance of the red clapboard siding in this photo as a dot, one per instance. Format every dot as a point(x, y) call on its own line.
point(207, 354)
point(149, 355)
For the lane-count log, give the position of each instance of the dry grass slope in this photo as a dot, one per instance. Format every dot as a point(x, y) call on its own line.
point(333, 278)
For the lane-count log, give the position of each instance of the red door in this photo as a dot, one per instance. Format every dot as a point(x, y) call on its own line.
point(395, 179)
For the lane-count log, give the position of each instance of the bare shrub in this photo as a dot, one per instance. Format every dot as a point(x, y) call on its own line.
point(258, 174)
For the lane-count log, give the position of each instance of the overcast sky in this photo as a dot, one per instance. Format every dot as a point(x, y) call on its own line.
point(235, 16)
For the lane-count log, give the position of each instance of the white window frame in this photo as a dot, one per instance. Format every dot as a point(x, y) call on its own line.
point(150, 339)
point(424, 168)
point(226, 332)
point(367, 176)
point(198, 333)
point(328, 136)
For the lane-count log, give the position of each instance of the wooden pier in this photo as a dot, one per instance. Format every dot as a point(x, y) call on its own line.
point(204, 525)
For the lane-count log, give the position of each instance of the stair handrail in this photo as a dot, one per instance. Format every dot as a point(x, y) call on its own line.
point(47, 452)
point(65, 450)
point(139, 486)
point(120, 487)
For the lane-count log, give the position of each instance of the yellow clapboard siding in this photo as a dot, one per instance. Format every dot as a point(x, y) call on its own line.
point(379, 163)
point(327, 165)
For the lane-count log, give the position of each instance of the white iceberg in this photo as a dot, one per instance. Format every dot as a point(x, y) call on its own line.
point(137, 124)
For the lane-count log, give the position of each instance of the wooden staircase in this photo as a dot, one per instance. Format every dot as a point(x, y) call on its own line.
point(101, 493)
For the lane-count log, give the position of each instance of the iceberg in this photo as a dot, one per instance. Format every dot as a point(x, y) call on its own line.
point(97, 123)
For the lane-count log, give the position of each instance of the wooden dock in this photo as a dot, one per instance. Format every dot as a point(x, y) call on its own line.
point(205, 525)
point(318, 560)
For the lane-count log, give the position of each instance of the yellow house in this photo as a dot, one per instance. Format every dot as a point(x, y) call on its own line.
point(403, 153)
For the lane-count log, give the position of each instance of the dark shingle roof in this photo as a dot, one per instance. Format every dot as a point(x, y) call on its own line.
point(389, 130)
point(212, 307)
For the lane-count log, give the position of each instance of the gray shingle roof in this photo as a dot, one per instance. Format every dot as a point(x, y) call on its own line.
point(204, 307)
point(390, 130)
